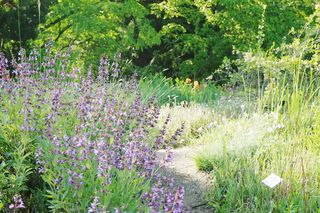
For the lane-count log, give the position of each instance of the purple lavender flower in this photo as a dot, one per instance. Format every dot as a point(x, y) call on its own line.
point(3, 66)
point(17, 203)
point(94, 206)
point(103, 72)
point(178, 200)
point(92, 132)
point(116, 67)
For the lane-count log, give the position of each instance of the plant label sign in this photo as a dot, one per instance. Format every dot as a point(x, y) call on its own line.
point(272, 180)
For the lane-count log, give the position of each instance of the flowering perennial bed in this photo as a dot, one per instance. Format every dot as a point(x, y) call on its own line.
point(70, 143)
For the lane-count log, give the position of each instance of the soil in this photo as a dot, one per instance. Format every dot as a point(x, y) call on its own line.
point(183, 169)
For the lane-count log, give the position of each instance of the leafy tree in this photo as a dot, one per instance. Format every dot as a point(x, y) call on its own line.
point(182, 37)
point(19, 21)
point(241, 21)
point(96, 27)
point(191, 45)
point(197, 35)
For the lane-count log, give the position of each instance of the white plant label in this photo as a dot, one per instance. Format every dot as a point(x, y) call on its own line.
point(272, 180)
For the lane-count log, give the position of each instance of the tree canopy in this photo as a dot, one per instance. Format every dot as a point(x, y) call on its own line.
point(177, 37)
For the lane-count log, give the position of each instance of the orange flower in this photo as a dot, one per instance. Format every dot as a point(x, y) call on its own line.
point(196, 86)
point(188, 81)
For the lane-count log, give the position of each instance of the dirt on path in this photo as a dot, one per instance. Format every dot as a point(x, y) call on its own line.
point(183, 169)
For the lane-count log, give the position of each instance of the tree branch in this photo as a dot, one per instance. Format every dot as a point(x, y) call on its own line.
point(62, 31)
point(58, 20)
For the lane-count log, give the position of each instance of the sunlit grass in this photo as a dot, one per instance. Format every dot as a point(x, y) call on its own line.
point(280, 135)
point(196, 118)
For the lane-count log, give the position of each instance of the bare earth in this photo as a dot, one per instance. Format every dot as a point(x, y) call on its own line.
point(183, 169)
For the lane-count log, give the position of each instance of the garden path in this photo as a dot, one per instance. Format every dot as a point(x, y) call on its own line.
point(183, 169)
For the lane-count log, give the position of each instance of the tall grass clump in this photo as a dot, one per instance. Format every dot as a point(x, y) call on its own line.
point(196, 119)
point(286, 79)
point(178, 92)
point(285, 82)
point(240, 152)
point(73, 143)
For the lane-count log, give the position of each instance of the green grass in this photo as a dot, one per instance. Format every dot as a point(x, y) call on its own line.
point(196, 119)
point(176, 92)
point(280, 135)
point(240, 153)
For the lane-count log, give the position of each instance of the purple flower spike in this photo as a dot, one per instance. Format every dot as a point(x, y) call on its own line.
point(17, 203)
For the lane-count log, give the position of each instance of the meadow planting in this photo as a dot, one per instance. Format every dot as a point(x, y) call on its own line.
point(159, 106)
point(71, 143)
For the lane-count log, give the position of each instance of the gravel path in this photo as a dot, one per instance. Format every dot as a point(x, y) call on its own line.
point(184, 171)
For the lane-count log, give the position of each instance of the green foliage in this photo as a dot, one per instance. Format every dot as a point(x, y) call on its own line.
point(196, 118)
point(16, 152)
point(192, 46)
point(314, 137)
point(285, 80)
point(197, 35)
point(206, 93)
point(19, 171)
point(243, 21)
point(177, 92)
point(277, 48)
point(238, 166)
point(95, 28)
point(160, 87)
point(125, 190)
point(185, 38)
point(203, 164)
point(19, 21)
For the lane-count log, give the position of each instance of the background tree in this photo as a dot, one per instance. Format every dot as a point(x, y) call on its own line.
point(19, 21)
point(185, 38)
point(96, 27)
point(197, 35)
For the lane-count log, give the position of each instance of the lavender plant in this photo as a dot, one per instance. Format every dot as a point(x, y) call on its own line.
point(81, 144)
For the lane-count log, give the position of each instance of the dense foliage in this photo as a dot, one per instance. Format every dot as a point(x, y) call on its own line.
point(286, 82)
point(181, 38)
point(82, 135)
point(19, 23)
point(73, 144)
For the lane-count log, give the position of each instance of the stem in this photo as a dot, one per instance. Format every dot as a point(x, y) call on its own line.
point(19, 27)
point(39, 11)
point(304, 186)
point(268, 202)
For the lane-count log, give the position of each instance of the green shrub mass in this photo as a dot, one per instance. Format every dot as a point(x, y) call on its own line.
point(178, 37)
